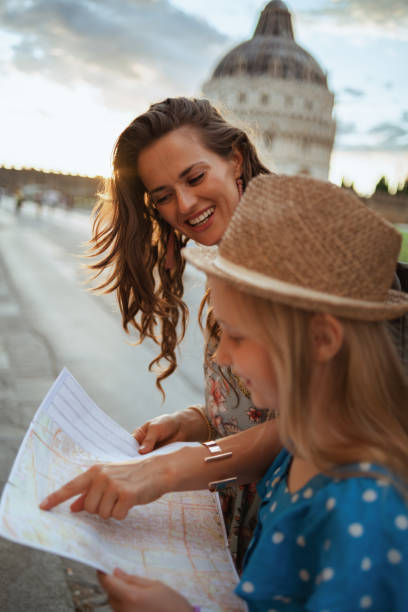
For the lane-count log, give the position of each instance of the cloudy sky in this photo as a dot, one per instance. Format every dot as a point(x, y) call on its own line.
point(73, 73)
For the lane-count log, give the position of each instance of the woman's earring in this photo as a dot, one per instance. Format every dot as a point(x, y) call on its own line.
point(240, 186)
point(170, 259)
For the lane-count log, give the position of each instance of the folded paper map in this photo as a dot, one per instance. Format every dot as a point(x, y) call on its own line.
point(179, 539)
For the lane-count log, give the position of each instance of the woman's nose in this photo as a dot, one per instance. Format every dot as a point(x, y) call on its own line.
point(186, 200)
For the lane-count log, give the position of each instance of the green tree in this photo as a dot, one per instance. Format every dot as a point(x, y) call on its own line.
point(382, 185)
point(403, 189)
point(347, 184)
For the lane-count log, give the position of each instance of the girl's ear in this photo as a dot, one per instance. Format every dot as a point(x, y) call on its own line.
point(238, 161)
point(327, 335)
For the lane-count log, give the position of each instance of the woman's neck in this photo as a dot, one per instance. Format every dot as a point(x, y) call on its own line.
point(300, 472)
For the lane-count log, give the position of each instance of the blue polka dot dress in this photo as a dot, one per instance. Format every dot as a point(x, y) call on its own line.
point(334, 545)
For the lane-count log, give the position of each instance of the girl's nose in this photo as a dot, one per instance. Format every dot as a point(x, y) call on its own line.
point(222, 355)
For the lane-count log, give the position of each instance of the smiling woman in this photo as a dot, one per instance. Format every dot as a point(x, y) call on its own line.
point(179, 172)
point(192, 188)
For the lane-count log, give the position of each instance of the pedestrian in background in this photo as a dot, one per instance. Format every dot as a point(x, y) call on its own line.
point(19, 199)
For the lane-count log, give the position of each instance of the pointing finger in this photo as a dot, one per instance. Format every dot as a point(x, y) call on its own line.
point(78, 485)
point(78, 504)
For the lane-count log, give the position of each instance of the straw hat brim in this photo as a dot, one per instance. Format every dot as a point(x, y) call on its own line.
point(209, 261)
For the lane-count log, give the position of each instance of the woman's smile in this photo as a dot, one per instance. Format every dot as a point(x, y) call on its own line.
point(193, 188)
point(202, 220)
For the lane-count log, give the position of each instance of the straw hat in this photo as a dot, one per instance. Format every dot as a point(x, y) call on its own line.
point(310, 244)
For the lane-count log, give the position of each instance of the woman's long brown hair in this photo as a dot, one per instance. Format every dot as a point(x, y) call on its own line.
point(130, 238)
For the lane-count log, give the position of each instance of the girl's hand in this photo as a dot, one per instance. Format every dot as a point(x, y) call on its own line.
point(111, 489)
point(183, 426)
point(128, 593)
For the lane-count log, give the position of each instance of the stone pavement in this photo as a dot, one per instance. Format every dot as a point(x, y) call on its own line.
point(31, 579)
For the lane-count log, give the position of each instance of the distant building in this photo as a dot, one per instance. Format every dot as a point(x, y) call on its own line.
point(72, 187)
point(276, 88)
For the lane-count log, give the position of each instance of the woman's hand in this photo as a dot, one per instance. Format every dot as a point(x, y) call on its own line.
point(128, 593)
point(183, 426)
point(111, 489)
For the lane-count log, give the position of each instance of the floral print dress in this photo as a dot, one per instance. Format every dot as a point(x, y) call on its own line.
point(229, 410)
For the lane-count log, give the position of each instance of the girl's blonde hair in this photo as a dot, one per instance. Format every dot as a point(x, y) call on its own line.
point(360, 412)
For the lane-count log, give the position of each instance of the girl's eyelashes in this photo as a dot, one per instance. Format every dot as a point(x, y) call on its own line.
point(231, 335)
point(234, 338)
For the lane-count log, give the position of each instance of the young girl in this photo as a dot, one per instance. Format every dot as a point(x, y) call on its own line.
point(300, 288)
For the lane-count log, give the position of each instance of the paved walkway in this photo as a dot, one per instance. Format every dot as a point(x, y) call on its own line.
point(31, 579)
point(43, 320)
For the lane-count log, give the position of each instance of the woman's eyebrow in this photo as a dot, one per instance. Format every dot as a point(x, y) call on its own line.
point(156, 190)
point(181, 176)
point(187, 170)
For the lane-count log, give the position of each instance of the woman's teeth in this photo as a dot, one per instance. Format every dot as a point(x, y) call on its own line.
point(201, 218)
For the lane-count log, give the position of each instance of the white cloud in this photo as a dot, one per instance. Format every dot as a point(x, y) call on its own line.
point(138, 49)
point(384, 136)
point(382, 12)
point(363, 20)
point(353, 92)
point(343, 127)
point(388, 17)
point(391, 135)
